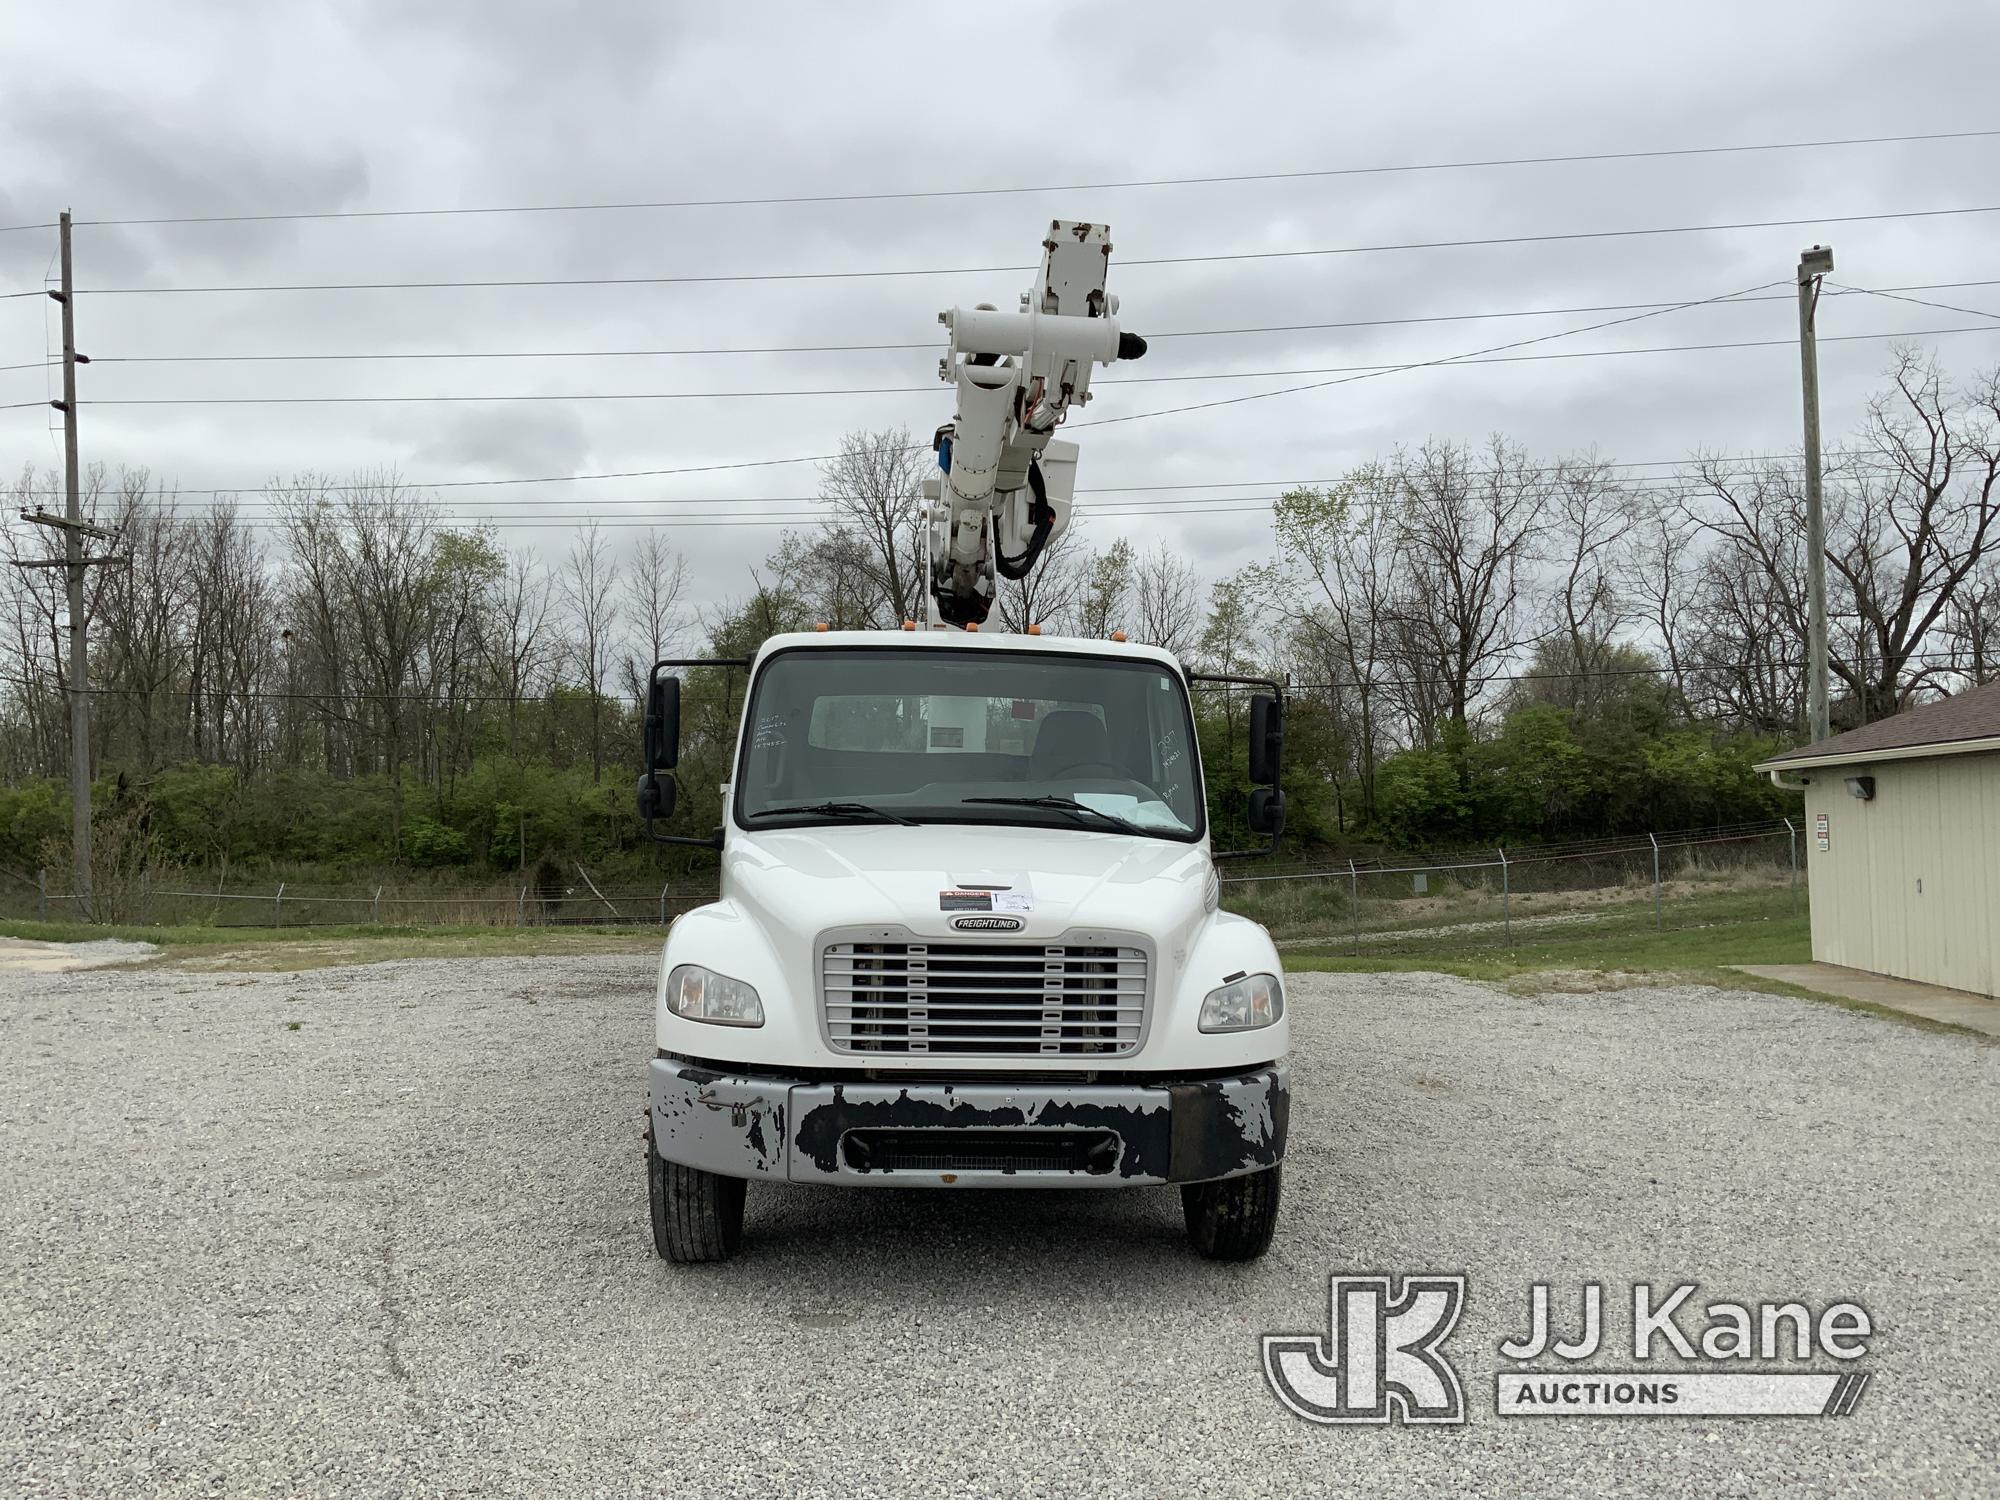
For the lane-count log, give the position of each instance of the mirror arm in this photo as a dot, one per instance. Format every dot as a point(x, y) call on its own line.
point(1263, 853)
point(713, 841)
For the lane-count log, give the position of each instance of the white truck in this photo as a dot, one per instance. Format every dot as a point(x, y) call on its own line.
point(969, 932)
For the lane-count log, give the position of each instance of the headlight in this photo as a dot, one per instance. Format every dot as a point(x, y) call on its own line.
point(699, 994)
point(1244, 1004)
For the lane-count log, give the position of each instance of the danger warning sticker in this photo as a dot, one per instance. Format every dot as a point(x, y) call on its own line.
point(965, 901)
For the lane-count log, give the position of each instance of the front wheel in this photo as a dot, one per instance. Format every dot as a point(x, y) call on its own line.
point(697, 1215)
point(1233, 1219)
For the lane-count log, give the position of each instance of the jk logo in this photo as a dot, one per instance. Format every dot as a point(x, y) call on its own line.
point(1381, 1355)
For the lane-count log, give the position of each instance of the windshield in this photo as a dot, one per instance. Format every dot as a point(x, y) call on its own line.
point(980, 736)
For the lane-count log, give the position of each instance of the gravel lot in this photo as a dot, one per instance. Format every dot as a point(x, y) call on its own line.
point(401, 1249)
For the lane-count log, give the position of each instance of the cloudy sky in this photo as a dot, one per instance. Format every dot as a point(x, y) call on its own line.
point(145, 112)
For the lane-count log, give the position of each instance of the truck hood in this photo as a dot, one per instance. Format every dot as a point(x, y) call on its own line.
point(1054, 879)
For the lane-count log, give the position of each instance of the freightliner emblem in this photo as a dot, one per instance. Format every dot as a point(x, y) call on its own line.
point(987, 924)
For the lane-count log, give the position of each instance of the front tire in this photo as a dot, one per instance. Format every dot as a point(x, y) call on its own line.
point(697, 1215)
point(1233, 1219)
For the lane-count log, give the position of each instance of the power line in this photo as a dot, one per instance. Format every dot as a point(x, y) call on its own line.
point(919, 390)
point(620, 474)
point(1467, 357)
point(1226, 257)
point(1137, 416)
point(1694, 669)
point(1565, 159)
point(1679, 471)
point(1193, 507)
point(932, 344)
point(1891, 294)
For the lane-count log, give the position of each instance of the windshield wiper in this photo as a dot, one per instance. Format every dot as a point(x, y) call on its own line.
point(855, 810)
point(1061, 804)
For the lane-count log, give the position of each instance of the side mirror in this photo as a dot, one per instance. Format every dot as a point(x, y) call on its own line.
point(656, 797)
point(1267, 739)
point(1267, 811)
point(663, 724)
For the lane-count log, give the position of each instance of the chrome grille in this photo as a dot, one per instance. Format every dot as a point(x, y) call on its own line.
point(983, 999)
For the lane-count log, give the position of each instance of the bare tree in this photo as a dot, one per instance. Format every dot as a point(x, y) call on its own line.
point(1910, 520)
point(1465, 541)
point(1051, 589)
point(1592, 517)
point(235, 619)
point(1169, 600)
point(142, 636)
point(653, 588)
point(516, 645)
point(1656, 571)
point(1335, 587)
point(1916, 526)
point(589, 584)
point(1972, 629)
point(389, 572)
point(871, 488)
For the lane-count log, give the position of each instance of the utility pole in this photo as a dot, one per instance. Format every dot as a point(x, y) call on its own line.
point(1813, 264)
point(73, 562)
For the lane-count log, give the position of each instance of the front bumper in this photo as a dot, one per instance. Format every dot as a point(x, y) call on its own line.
point(1015, 1132)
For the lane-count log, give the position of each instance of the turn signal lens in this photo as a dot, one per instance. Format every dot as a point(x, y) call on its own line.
point(1244, 1004)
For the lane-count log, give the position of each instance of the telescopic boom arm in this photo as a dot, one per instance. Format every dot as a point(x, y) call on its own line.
point(1006, 485)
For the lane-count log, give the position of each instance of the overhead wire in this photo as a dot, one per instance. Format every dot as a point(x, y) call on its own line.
point(905, 195)
point(1217, 258)
point(1894, 295)
point(921, 390)
point(1151, 337)
point(1484, 679)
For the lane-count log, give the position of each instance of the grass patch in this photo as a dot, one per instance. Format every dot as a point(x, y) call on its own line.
point(280, 949)
point(1617, 947)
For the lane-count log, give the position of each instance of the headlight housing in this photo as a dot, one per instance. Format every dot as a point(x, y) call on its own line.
point(698, 994)
point(1245, 1004)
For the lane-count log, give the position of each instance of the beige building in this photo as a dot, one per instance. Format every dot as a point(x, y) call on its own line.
point(1902, 842)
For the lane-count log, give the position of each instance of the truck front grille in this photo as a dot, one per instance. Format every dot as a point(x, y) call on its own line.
point(983, 999)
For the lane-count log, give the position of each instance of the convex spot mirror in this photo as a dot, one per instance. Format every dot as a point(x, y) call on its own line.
point(1267, 811)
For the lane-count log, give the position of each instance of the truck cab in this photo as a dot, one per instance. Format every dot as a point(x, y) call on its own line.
point(968, 936)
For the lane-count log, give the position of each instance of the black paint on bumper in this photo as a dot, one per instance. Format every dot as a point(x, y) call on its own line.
point(742, 1125)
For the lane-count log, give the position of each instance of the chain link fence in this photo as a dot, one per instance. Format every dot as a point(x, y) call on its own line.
point(1503, 897)
point(1381, 907)
point(292, 904)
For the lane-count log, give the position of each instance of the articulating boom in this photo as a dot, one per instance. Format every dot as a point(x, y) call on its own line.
point(1006, 487)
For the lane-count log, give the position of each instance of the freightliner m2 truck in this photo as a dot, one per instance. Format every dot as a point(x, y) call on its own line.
point(968, 932)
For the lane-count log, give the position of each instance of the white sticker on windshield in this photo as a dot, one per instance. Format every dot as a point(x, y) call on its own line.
point(1013, 901)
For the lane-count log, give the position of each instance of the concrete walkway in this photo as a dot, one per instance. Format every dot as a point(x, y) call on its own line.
point(1959, 1007)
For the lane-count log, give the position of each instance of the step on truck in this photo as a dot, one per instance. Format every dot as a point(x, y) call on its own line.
point(969, 930)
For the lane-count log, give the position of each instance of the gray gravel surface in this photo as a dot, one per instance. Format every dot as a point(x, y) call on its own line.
point(401, 1249)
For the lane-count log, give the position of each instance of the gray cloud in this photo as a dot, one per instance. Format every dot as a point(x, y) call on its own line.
point(133, 111)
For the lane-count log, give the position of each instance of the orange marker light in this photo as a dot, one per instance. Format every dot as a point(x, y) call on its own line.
point(909, 624)
point(1117, 635)
point(820, 625)
point(1034, 630)
point(972, 627)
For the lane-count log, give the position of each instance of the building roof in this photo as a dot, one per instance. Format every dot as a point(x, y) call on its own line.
point(1953, 726)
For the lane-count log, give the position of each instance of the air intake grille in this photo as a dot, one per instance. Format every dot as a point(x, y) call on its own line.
point(984, 999)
